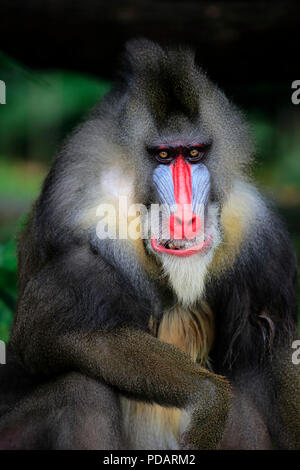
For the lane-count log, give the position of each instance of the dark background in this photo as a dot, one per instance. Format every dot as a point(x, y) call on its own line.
point(58, 57)
point(238, 42)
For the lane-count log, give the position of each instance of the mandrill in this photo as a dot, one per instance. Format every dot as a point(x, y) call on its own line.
point(178, 334)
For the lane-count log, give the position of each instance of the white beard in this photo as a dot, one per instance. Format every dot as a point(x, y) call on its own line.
point(187, 275)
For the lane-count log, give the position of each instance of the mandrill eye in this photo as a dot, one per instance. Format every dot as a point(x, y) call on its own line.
point(194, 155)
point(163, 154)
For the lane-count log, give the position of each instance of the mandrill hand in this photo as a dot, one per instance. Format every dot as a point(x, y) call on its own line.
point(208, 417)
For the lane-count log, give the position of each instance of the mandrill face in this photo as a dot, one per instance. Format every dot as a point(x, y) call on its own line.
point(185, 230)
point(182, 183)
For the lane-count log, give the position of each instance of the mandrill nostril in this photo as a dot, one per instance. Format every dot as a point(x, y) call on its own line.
point(184, 224)
point(192, 221)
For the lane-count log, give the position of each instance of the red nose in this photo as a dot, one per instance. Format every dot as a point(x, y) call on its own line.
point(184, 224)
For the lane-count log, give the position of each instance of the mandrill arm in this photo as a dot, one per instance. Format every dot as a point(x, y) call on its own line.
point(130, 360)
point(286, 379)
point(143, 367)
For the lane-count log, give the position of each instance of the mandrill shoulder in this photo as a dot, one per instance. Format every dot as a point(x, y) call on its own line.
point(252, 286)
point(251, 229)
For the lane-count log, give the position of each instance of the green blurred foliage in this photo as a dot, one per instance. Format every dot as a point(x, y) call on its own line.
point(42, 107)
point(8, 287)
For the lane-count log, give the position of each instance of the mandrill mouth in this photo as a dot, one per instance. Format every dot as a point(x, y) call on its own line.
point(181, 247)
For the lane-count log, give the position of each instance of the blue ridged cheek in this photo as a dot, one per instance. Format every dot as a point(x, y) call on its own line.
point(163, 182)
point(200, 186)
